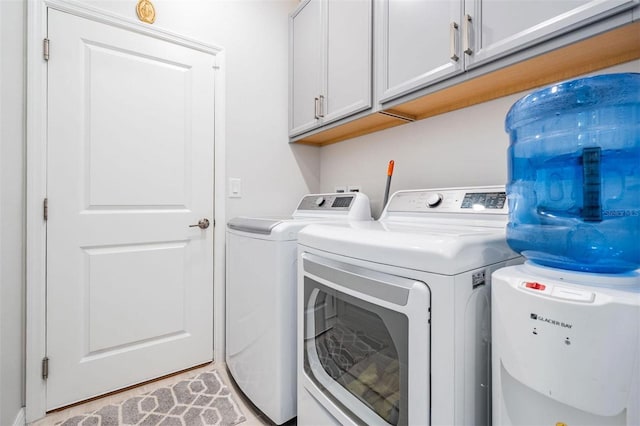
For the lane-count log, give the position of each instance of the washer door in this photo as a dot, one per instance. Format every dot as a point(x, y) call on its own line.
point(356, 340)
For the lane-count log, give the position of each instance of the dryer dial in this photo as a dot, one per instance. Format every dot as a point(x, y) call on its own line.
point(433, 200)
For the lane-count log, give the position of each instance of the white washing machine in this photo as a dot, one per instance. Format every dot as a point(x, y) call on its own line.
point(260, 298)
point(566, 347)
point(394, 315)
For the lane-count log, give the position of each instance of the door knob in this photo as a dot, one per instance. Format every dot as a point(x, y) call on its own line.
point(202, 224)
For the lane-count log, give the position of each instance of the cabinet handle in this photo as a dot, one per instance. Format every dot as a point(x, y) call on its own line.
point(316, 111)
point(467, 35)
point(453, 48)
point(321, 107)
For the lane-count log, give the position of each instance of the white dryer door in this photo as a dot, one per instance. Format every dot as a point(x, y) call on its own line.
point(360, 327)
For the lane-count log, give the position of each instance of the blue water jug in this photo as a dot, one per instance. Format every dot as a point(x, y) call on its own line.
point(574, 174)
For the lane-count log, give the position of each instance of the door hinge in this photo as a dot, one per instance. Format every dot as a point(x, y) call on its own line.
point(45, 368)
point(45, 49)
point(45, 208)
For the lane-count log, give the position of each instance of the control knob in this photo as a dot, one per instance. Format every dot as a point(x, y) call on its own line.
point(433, 200)
point(319, 201)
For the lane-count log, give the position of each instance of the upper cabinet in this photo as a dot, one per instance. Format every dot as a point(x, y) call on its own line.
point(435, 56)
point(424, 42)
point(418, 44)
point(305, 66)
point(496, 28)
point(330, 64)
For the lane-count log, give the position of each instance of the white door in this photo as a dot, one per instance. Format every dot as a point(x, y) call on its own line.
point(130, 168)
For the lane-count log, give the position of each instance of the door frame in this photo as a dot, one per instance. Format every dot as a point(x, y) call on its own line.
point(36, 181)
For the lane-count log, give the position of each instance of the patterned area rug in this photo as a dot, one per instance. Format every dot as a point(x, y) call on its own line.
point(202, 400)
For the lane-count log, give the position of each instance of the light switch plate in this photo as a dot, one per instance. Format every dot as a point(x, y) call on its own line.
point(235, 188)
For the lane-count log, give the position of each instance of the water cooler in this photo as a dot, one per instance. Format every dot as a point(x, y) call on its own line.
point(566, 324)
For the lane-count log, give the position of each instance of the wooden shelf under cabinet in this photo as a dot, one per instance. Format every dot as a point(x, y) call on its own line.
point(595, 53)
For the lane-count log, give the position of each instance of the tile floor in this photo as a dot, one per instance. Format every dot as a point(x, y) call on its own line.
point(253, 415)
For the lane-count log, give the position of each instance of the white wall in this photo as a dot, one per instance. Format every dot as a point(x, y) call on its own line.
point(11, 210)
point(461, 148)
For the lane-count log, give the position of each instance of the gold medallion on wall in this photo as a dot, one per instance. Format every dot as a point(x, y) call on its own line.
point(146, 11)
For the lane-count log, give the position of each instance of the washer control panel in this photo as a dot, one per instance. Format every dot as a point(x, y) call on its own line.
point(484, 200)
point(492, 199)
point(325, 202)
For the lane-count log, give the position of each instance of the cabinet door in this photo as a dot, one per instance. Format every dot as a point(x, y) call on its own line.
point(418, 41)
point(305, 66)
point(348, 58)
point(500, 27)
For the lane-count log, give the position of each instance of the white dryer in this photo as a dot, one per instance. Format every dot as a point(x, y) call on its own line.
point(260, 298)
point(394, 315)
